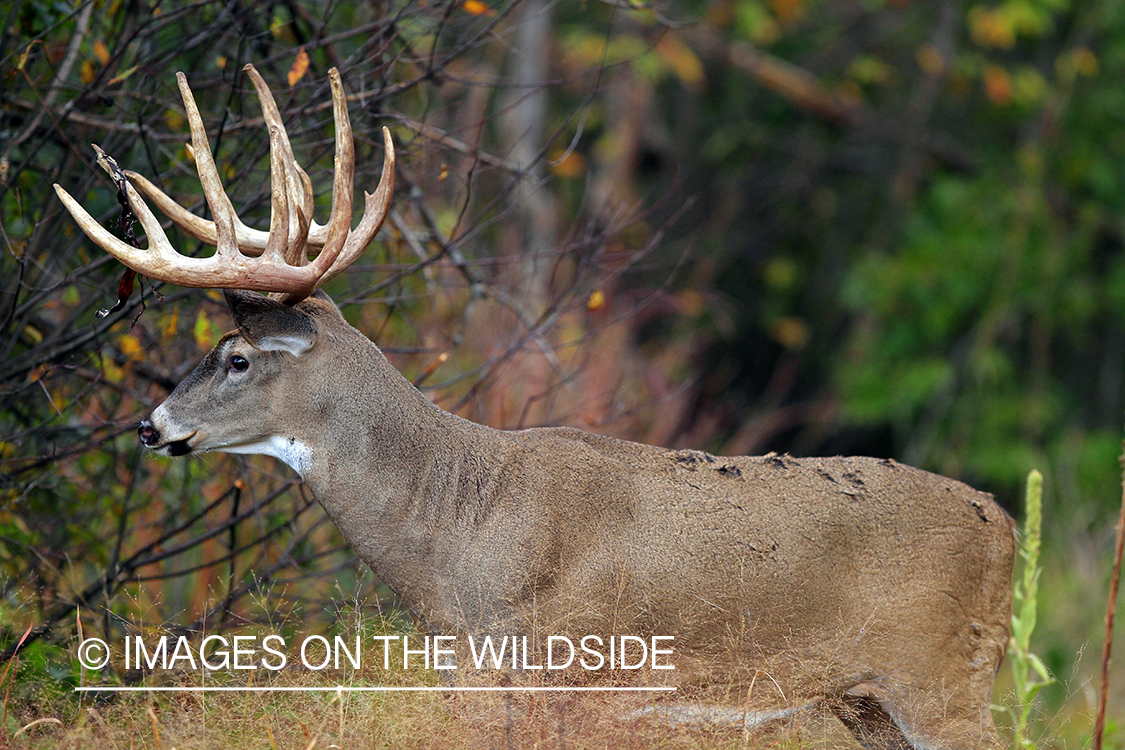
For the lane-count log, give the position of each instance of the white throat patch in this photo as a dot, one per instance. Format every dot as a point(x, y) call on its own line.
point(290, 451)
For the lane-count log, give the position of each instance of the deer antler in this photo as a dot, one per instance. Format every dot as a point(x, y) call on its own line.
point(283, 264)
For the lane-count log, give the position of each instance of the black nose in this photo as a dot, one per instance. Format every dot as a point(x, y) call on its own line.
point(148, 434)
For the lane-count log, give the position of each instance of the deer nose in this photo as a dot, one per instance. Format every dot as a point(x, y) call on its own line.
point(148, 434)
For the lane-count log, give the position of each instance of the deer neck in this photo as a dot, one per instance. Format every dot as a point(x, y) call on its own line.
point(395, 478)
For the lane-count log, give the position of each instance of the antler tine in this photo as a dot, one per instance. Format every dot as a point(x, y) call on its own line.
point(340, 221)
point(279, 203)
point(296, 177)
point(343, 245)
point(375, 208)
point(225, 244)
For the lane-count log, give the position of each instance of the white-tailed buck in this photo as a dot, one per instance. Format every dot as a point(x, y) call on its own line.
point(874, 590)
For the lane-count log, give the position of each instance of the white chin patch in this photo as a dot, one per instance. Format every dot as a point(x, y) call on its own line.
point(289, 451)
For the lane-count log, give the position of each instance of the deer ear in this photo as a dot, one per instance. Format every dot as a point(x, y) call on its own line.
point(270, 325)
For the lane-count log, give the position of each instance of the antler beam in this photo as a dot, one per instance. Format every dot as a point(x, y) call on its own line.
point(283, 264)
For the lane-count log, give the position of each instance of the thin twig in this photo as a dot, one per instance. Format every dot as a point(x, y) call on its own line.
point(1110, 612)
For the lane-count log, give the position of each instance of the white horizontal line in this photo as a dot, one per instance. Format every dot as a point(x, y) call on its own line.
point(370, 689)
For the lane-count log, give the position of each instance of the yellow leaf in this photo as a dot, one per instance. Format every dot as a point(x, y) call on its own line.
point(26, 52)
point(101, 52)
point(37, 373)
point(221, 62)
point(300, 67)
point(596, 300)
point(173, 322)
point(991, 27)
point(33, 334)
point(131, 347)
point(477, 8)
point(173, 119)
point(88, 71)
point(112, 372)
point(568, 164)
point(204, 335)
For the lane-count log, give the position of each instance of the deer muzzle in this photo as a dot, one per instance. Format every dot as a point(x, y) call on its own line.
point(150, 438)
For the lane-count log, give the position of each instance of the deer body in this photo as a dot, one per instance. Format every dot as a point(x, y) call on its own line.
point(872, 578)
point(880, 591)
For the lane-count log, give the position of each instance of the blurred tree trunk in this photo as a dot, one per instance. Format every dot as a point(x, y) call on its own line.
point(523, 127)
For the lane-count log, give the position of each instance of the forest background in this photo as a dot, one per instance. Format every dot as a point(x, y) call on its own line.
point(873, 227)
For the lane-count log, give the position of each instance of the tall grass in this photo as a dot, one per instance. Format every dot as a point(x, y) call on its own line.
point(1029, 673)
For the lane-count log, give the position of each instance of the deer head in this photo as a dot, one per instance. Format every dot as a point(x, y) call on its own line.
point(248, 260)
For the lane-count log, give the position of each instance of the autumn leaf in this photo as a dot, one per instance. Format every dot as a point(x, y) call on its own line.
point(997, 85)
point(569, 164)
point(477, 8)
point(120, 77)
point(203, 331)
point(23, 58)
point(88, 71)
point(991, 27)
point(37, 373)
point(113, 373)
point(171, 325)
point(683, 62)
point(300, 67)
point(101, 52)
point(131, 347)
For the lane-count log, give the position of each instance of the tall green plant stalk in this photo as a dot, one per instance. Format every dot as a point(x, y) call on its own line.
point(1028, 671)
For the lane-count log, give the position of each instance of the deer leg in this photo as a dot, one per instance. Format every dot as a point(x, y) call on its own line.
point(872, 726)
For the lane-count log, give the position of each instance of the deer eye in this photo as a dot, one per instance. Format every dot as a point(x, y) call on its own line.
point(237, 363)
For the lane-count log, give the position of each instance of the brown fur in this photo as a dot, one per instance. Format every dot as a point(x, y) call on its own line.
point(879, 590)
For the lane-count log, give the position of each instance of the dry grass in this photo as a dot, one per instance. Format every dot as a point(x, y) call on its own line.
point(303, 720)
